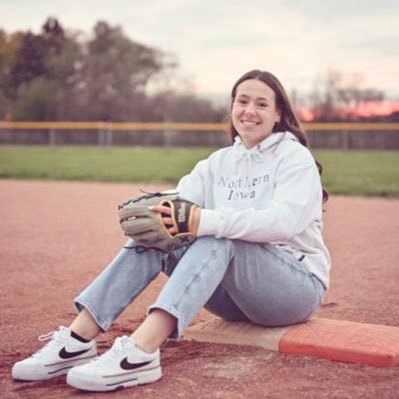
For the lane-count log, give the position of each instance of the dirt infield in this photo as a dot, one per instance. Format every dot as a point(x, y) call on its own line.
point(57, 236)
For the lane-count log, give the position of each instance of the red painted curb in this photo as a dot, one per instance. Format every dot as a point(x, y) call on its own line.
point(375, 345)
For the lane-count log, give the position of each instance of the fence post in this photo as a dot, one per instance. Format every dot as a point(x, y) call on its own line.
point(168, 135)
point(100, 136)
point(345, 139)
point(52, 138)
point(167, 138)
point(108, 135)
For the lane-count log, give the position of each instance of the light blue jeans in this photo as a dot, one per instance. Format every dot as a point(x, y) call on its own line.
point(233, 279)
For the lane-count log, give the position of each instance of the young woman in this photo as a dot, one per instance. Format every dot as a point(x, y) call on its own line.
point(259, 255)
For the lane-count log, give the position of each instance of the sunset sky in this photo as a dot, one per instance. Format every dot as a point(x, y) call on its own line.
point(217, 41)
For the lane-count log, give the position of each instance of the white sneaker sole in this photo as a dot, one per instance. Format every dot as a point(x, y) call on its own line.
point(37, 373)
point(101, 384)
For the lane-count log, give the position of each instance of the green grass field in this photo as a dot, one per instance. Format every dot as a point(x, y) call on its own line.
point(371, 173)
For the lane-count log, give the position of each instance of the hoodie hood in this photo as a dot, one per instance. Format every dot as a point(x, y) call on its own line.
point(244, 157)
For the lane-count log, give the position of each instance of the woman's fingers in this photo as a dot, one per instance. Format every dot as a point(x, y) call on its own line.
point(166, 212)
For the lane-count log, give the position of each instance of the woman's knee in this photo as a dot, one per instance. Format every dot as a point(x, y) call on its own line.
point(211, 242)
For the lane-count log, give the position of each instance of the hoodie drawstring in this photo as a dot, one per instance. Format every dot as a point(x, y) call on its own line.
point(248, 156)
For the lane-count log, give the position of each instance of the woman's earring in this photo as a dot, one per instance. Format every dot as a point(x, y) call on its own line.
point(275, 126)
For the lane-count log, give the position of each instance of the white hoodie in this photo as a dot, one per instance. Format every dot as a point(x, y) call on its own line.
point(269, 193)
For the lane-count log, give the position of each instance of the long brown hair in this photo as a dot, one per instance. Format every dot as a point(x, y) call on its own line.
point(288, 121)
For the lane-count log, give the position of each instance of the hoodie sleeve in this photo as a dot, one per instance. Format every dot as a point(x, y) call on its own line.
point(192, 185)
point(296, 202)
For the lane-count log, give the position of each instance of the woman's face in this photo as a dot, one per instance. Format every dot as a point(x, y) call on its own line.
point(254, 111)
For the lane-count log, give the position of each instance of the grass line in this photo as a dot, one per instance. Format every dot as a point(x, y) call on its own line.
point(366, 173)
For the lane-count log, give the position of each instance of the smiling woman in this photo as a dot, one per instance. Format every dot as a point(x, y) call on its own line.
point(258, 252)
point(254, 112)
point(260, 106)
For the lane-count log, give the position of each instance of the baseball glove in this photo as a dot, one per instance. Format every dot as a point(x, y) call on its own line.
point(148, 228)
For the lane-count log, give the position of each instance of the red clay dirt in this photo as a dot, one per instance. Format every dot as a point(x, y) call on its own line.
point(57, 236)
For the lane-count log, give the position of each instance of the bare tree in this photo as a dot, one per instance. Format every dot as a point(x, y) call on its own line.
point(337, 97)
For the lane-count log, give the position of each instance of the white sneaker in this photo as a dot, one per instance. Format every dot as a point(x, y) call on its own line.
point(124, 365)
point(58, 356)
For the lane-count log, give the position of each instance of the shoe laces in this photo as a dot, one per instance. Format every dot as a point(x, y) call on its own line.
point(120, 347)
point(55, 338)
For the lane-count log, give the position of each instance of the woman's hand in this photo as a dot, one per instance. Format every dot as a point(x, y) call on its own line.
point(166, 212)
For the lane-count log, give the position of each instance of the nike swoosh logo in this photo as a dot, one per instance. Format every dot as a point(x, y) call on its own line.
point(131, 366)
point(64, 354)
